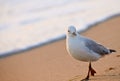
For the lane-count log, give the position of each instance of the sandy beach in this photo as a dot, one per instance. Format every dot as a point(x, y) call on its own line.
point(53, 63)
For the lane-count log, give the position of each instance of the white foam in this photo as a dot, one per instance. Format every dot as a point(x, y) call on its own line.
point(27, 23)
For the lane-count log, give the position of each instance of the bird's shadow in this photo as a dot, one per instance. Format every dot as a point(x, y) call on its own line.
point(95, 78)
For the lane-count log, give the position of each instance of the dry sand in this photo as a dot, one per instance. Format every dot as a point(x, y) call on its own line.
point(52, 62)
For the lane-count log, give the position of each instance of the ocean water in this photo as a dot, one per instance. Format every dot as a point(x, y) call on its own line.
point(25, 24)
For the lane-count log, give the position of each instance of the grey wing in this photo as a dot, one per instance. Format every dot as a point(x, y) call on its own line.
point(95, 47)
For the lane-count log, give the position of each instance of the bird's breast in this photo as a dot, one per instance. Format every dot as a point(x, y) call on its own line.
point(77, 49)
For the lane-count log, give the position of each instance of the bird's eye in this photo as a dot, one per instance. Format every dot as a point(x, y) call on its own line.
point(68, 31)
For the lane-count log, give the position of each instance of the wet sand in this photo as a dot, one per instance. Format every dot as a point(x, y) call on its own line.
point(53, 63)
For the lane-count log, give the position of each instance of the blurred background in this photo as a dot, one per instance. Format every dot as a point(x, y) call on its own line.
point(29, 23)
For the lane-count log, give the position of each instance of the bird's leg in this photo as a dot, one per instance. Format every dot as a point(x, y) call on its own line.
point(91, 69)
point(87, 77)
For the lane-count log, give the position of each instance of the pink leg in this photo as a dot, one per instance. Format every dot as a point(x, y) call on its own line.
point(91, 70)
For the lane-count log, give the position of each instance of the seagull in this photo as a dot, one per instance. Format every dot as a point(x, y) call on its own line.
point(85, 49)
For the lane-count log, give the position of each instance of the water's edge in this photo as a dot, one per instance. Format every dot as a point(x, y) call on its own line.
point(52, 40)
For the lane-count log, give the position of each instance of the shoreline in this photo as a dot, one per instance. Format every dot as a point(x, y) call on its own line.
point(52, 62)
point(56, 39)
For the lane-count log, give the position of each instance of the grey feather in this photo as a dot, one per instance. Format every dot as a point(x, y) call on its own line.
point(95, 47)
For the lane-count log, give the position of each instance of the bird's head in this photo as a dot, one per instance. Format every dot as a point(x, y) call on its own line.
point(72, 31)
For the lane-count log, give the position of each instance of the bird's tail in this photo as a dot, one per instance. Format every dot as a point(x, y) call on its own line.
point(111, 50)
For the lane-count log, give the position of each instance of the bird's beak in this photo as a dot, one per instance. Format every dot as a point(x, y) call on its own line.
point(74, 33)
